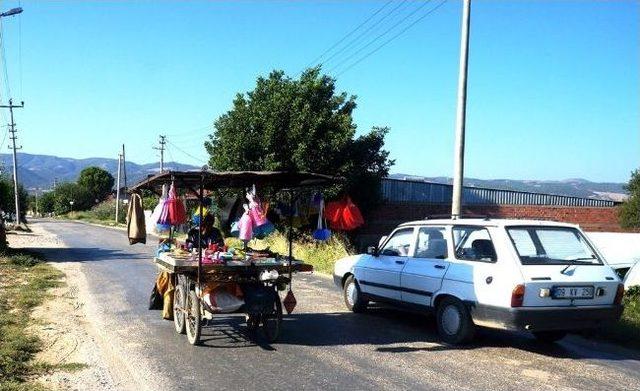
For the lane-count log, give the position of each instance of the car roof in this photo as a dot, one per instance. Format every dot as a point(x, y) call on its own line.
point(487, 222)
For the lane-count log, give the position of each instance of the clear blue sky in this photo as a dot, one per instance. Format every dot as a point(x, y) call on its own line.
point(553, 86)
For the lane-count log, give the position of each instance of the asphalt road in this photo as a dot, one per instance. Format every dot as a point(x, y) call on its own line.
point(322, 346)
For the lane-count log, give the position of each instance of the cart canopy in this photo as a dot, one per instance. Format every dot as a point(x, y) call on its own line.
point(213, 180)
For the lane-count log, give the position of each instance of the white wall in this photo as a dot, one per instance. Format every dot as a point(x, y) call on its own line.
point(619, 249)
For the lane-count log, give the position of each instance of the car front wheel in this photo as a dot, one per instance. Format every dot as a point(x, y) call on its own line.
point(352, 296)
point(455, 325)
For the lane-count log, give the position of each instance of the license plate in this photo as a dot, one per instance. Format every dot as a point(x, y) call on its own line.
point(572, 292)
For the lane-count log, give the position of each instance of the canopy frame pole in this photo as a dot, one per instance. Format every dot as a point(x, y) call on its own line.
point(201, 202)
point(290, 236)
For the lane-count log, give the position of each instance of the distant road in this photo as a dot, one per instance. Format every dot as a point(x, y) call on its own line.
point(322, 345)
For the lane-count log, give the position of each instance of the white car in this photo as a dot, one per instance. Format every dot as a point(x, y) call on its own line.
point(539, 276)
point(632, 278)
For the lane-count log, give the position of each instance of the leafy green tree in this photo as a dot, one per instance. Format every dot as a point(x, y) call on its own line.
point(7, 198)
point(97, 181)
point(300, 125)
point(46, 202)
point(629, 212)
point(66, 193)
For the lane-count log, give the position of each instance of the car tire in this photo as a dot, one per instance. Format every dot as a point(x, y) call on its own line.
point(352, 296)
point(455, 325)
point(549, 336)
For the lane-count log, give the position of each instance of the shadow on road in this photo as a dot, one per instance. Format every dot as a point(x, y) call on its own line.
point(391, 331)
point(87, 254)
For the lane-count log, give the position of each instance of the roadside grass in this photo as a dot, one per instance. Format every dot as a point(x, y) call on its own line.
point(103, 213)
point(24, 282)
point(322, 255)
point(626, 332)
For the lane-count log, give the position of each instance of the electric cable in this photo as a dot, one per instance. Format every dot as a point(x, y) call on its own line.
point(356, 39)
point(186, 153)
point(380, 35)
point(391, 39)
point(349, 33)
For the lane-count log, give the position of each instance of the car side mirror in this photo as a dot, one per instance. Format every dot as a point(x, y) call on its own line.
point(372, 250)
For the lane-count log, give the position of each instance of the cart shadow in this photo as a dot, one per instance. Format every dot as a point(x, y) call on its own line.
point(86, 254)
point(393, 331)
point(230, 332)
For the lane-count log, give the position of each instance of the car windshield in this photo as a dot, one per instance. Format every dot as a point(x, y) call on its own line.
point(552, 245)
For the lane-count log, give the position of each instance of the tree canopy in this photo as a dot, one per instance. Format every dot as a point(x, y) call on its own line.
point(97, 182)
point(630, 210)
point(66, 193)
point(7, 198)
point(300, 125)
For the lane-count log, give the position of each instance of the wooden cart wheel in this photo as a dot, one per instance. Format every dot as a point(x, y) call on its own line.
point(179, 300)
point(193, 318)
point(271, 323)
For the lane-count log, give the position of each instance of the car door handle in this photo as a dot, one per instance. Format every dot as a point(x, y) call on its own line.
point(439, 266)
point(400, 262)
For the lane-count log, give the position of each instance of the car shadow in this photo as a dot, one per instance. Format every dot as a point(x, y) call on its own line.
point(392, 331)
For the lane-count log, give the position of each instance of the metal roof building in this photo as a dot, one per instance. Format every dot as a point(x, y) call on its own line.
point(406, 191)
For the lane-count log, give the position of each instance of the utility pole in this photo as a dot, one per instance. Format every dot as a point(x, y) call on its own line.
point(118, 188)
point(13, 138)
point(163, 142)
point(124, 168)
point(458, 163)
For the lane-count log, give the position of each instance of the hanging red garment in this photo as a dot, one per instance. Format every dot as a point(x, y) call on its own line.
point(351, 215)
point(343, 215)
point(177, 212)
point(333, 214)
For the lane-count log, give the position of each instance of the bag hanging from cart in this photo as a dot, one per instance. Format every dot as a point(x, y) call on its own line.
point(157, 211)
point(321, 233)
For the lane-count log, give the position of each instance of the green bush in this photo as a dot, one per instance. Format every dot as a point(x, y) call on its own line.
point(322, 255)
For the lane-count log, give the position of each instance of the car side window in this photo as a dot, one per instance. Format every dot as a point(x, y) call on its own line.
point(399, 244)
point(431, 243)
point(473, 244)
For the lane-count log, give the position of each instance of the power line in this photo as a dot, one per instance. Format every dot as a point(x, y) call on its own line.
point(392, 38)
point(20, 48)
point(190, 131)
point(186, 153)
point(356, 39)
point(381, 35)
point(4, 60)
point(349, 33)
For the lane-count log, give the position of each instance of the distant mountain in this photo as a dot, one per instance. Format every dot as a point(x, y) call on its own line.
point(40, 171)
point(576, 187)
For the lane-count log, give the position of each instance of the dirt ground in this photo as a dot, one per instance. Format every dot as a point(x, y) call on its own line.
point(62, 325)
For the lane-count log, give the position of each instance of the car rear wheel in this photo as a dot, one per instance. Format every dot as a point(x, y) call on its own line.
point(352, 296)
point(455, 325)
point(549, 336)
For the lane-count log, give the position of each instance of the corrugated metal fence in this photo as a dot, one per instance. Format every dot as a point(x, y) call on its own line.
point(396, 190)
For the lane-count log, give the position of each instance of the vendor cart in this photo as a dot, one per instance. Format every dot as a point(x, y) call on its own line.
point(258, 275)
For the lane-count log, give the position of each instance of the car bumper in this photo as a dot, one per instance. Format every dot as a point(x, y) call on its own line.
point(546, 318)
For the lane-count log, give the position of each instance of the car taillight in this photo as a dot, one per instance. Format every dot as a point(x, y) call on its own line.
point(517, 296)
point(619, 294)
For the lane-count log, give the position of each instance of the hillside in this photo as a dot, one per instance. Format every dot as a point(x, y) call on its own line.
point(40, 171)
point(571, 187)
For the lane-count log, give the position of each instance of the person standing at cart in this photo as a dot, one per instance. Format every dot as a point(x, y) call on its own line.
point(210, 233)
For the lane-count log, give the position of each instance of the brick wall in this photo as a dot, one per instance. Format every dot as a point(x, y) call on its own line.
point(385, 218)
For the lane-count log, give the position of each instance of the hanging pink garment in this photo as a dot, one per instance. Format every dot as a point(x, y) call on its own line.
point(257, 213)
point(246, 227)
point(176, 211)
